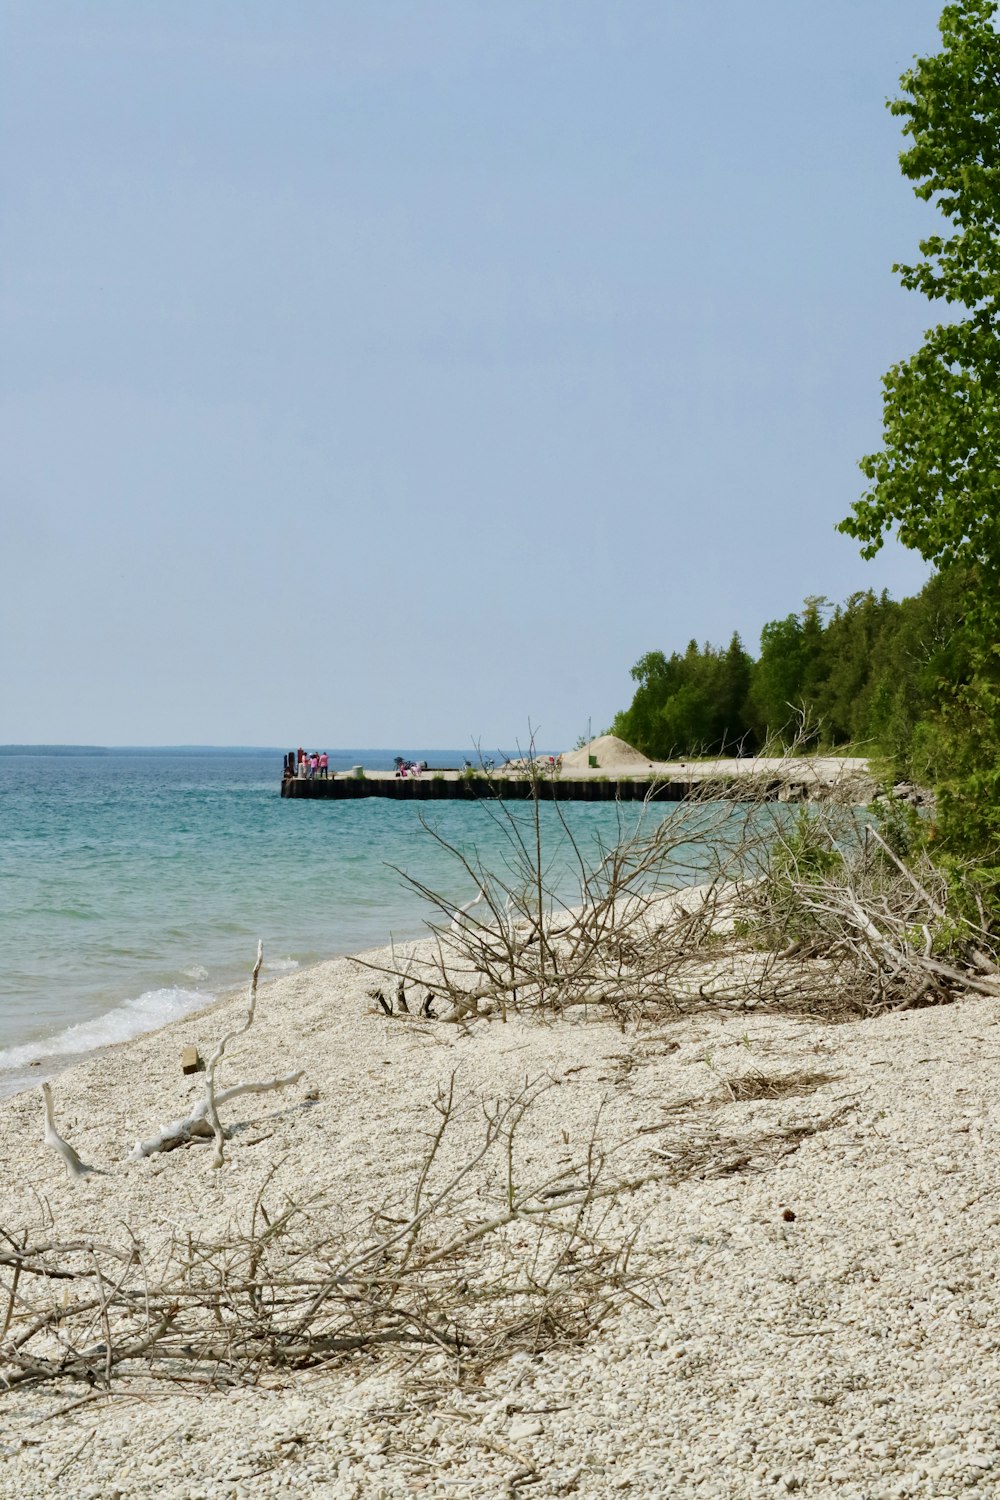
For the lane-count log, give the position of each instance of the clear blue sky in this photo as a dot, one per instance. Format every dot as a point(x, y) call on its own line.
point(399, 373)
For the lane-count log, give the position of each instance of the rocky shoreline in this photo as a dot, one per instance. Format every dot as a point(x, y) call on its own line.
point(809, 1302)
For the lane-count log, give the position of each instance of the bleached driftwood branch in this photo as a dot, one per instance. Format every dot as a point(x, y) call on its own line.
point(456, 920)
point(211, 1110)
point(195, 1126)
point(203, 1122)
point(74, 1166)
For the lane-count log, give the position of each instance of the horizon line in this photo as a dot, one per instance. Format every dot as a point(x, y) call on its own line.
point(15, 746)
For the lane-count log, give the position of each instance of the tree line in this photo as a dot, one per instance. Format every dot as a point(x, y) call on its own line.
point(867, 674)
point(910, 683)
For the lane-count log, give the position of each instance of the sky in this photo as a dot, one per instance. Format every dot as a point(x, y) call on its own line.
point(400, 373)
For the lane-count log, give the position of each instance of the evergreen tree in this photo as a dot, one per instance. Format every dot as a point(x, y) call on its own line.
point(778, 679)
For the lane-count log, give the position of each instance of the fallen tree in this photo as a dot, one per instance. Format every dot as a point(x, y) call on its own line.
point(469, 1262)
point(747, 903)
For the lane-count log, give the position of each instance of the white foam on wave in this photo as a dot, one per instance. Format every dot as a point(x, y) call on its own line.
point(281, 965)
point(147, 1012)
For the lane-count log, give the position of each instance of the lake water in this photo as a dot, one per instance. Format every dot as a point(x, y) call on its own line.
point(134, 884)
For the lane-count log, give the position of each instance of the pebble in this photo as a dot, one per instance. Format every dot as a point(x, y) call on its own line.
point(529, 1429)
point(851, 1357)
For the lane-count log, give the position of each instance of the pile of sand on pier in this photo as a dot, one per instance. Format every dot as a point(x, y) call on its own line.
point(611, 754)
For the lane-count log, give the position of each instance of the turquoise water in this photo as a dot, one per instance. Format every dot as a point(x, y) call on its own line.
point(134, 885)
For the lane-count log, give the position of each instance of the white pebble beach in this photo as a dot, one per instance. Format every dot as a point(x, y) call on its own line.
point(816, 1313)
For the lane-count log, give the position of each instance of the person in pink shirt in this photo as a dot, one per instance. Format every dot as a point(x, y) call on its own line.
point(324, 765)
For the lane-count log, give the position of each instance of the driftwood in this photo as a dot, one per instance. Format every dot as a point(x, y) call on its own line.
point(203, 1123)
point(293, 1288)
point(473, 1259)
point(74, 1166)
point(891, 928)
point(815, 911)
point(196, 1127)
point(619, 950)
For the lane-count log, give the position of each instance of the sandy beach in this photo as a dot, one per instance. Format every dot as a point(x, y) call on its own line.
point(809, 1304)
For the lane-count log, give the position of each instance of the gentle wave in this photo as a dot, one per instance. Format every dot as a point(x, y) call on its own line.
point(147, 1012)
point(155, 874)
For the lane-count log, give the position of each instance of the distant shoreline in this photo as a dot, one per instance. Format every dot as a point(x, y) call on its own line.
point(139, 750)
point(97, 750)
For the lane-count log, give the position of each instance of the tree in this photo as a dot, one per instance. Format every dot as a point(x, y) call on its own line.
point(850, 639)
point(638, 724)
point(937, 479)
point(690, 704)
point(776, 691)
point(735, 671)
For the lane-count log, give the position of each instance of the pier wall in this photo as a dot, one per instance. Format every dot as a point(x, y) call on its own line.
point(429, 788)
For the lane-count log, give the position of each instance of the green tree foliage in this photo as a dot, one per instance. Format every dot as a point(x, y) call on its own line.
point(914, 652)
point(787, 680)
point(969, 792)
point(690, 704)
point(937, 479)
point(874, 674)
point(776, 694)
point(917, 682)
point(853, 636)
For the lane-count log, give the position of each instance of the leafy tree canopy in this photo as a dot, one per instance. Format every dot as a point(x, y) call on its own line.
point(937, 479)
point(873, 674)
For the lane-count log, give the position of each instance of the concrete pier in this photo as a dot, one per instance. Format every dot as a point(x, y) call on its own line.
point(455, 786)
